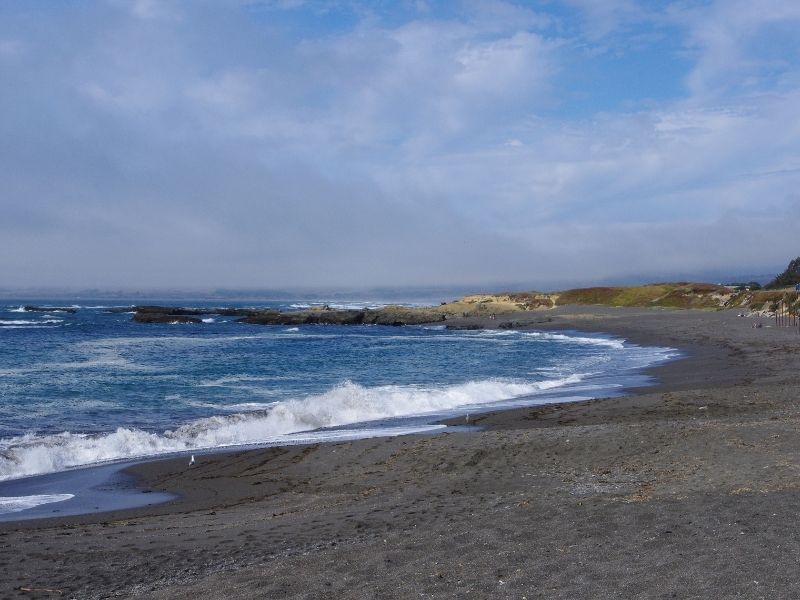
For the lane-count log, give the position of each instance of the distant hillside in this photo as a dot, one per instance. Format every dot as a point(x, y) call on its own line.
point(790, 276)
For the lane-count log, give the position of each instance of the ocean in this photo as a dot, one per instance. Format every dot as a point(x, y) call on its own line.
point(92, 387)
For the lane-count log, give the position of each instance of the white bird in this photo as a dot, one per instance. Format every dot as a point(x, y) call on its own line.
point(191, 460)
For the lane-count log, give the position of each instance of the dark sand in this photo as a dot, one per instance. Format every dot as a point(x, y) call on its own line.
point(690, 489)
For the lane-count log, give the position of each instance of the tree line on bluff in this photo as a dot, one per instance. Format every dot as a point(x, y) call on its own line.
point(790, 276)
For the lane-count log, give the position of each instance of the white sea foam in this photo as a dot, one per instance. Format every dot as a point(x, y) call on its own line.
point(4, 327)
point(27, 322)
point(249, 406)
point(11, 504)
point(103, 306)
point(291, 330)
point(353, 305)
point(344, 404)
point(233, 380)
point(164, 340)
point(559, 337)
point(208, 320)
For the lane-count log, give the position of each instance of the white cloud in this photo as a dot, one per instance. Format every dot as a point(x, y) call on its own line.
point(726, 36)
point(153, 9)
point(11, 49)
point(430, 145)
point(601, 18)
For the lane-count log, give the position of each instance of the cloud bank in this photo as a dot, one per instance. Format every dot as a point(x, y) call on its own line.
point(168, 143)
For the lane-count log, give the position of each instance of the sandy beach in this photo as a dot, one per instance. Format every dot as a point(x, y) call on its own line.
point(687, 489)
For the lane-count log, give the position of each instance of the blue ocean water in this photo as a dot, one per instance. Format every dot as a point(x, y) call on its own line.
point(93, 386)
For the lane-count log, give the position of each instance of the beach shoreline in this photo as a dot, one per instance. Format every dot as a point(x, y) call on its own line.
point(376, 514)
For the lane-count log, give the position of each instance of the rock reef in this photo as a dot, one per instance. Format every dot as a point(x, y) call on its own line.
point(50, 309)
point(388, 315)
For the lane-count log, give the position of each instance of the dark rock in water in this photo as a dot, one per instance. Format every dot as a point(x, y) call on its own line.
point(152, 317)
point(390, 315)
point(192, 311)
point(275, 317)
point(465, 326)
point(239, 312)
point(50, 309)
point(174, 310)
point(400, 315)
point(305, 317)
point(341, 317)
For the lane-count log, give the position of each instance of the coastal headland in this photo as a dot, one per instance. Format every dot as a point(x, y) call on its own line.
point(687, 489)
point(658, 295)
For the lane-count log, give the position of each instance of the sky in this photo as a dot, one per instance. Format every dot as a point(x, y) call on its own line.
point(292, 143)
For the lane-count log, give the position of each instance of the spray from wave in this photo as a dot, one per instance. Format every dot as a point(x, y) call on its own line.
point(345, 404)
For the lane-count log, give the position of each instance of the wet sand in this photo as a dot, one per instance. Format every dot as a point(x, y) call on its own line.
point(690, 489)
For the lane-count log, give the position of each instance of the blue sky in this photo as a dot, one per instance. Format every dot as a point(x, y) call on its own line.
point(280, 143)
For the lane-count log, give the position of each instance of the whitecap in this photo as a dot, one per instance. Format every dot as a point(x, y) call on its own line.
point(26, 322)
point(344, 404)
point(232, 380)
point(560, 337)
point(249, 406)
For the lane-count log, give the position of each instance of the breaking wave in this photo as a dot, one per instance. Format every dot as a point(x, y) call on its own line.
point(345, 404)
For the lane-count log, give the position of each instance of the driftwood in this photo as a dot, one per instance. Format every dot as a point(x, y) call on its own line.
point(35, 589)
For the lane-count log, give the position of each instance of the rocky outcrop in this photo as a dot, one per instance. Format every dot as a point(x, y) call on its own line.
point(173, 310)
point(50, 309)
point(389, 315)
point(305, 317)
point(153, 317)
point(403, 315)
point(506, 306)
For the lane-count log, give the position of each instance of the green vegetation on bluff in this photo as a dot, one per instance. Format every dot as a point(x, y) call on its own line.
point(667, 295)
point(789, 277)
point(656, 295)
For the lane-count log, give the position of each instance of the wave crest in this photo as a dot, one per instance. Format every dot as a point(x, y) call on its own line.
point(345, 404)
